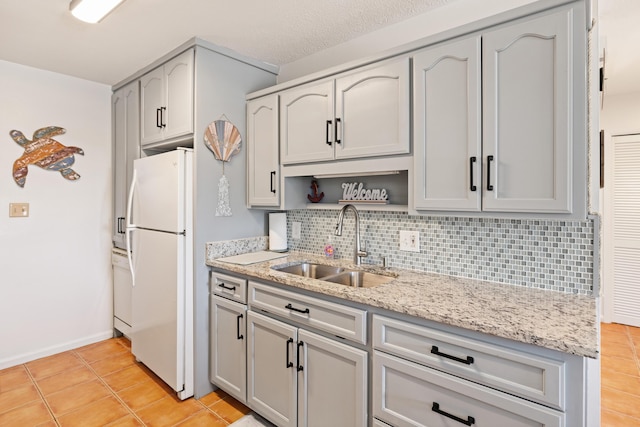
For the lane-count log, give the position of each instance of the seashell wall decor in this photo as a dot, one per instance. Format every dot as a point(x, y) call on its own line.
point(45, 152)
point(224, 140)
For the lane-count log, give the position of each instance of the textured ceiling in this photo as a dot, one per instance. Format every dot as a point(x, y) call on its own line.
point(43, 34)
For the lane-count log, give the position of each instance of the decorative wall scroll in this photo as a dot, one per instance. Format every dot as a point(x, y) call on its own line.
point(46, 152)
point(224, 140)
point(355, 192)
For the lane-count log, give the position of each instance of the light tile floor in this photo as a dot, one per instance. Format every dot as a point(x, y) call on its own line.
point(620, 377)
point(102, 385)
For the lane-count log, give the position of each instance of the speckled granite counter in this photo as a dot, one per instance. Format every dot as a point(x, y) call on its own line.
point(554, 320)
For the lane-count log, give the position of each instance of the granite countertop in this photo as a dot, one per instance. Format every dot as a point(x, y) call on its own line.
point(554, 320)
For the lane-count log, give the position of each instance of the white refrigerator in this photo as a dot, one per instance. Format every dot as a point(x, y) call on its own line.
point(160, 244)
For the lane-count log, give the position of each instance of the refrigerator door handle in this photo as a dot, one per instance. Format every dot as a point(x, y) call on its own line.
point(129, 228)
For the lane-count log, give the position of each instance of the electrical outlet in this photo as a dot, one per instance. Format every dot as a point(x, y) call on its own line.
point(295, 229)
point(409, 241)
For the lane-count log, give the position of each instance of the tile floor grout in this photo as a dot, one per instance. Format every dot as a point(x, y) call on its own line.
point(33, 376)
point(620, 353)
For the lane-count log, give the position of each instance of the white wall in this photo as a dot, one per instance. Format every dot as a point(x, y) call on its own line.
point(55, 270)
point(452, 15)
point(621, 114)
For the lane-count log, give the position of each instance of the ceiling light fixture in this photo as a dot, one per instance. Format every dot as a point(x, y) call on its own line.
point(92, 11)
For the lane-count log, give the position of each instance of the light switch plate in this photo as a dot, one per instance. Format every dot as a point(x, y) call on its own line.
point(295, 230)
point(409, 241)
point(18, 210)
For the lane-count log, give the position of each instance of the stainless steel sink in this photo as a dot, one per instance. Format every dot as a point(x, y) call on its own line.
point(359, 279)
point(306, 269)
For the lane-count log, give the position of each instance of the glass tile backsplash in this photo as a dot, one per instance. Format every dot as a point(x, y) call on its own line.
point(545, 254)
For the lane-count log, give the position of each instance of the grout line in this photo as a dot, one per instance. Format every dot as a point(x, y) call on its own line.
point(42, 398)
point(113, 393)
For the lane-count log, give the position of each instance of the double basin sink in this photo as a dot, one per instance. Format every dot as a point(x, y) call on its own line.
point(339, 275)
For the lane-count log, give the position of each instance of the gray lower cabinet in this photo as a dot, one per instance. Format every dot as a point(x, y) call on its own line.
point(297, 377)
point(426, 377)
point(408, 394)
point(228, 362)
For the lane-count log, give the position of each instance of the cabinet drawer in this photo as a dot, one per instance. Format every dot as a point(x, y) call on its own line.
point(407, 394)
point(526, 375)
point(230, 287)
point(336, 319)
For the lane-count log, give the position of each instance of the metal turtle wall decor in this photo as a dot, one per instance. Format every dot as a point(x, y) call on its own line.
point(46, 152)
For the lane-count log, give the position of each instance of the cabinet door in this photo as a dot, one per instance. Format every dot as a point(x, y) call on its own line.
point(126, 148)
point(306, 123)
point(262, 152)
point(178, 87)
point(151, 102)
point(447, 126)
point(228, 353)
point(332, 383)
point(527, 109)
point(271, 373)
point(372, 111)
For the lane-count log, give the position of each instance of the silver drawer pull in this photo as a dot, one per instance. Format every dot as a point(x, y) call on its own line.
point(290, 307)
point(467, 361)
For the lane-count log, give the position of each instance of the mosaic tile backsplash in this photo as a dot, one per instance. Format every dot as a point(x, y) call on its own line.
point(545, 254)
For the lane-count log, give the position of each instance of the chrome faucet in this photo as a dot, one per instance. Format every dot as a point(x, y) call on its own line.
point(358, 253)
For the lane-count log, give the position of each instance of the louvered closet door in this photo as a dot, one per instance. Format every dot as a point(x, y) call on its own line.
point(624, 185)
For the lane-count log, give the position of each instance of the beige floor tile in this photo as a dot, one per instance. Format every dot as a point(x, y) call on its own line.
point(204, 418)
point(17, 397)
point(51, 365)
point(229, 409)
point(73, 398)
point(112, 364)
point(65, 379)
point(169, 411)
point(32, 414)
point(13, 378)
point(96, 414)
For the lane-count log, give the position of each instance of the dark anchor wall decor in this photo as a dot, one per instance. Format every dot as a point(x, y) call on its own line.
point(46, 152)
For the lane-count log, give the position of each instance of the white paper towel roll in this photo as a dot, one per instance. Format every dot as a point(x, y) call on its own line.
point(278, 232)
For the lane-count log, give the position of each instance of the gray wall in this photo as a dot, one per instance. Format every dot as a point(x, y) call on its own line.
point(221, 86)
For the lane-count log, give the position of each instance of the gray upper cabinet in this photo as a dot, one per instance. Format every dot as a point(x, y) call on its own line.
point(447, 126)
point(263, 166)
point(368, 117)
point(372, 111)
point(306, 123)
point(166, 100)
point(493, 128)
point(126, 148)
point(527, 115)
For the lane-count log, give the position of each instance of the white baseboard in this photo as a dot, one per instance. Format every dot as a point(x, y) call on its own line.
point(28, 357)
